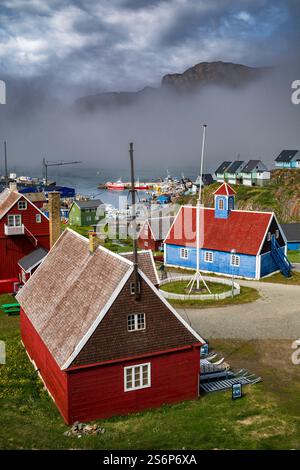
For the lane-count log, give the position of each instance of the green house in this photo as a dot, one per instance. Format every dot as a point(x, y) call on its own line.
point(84, 213)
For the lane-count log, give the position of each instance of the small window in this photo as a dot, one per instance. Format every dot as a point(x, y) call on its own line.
point(14, 220)
point(184, 253)
point(22, 205)
point(235, 260)
point(38, 218)
point(136, 322)
point(137, 377)
point(269, 236)
point(132, 288)
point(277, 233)
point(221, 204)
point(208, 257)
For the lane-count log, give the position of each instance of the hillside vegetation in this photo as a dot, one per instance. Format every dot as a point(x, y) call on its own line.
point(282, 196)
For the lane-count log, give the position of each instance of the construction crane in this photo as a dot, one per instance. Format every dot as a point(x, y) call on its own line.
point(48, 163)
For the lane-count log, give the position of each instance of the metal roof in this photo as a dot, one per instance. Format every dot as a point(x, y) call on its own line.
point(234, 166)
point(223, 167)
point(292, 232)
point(254, 165)
point(287, 156)
point(28, 262)
point(90, 204)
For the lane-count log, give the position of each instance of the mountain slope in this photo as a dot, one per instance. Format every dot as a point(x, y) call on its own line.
point(193, 79)
point(282, 196)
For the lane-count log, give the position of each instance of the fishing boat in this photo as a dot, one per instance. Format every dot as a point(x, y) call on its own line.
point(117, 186)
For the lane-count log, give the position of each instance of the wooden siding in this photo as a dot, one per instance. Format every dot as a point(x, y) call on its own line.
point(112, 340)
point(56, 380)
point(220, 265)
point(14, 247)
point(98, 392)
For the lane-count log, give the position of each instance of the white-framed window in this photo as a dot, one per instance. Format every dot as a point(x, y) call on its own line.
point(132, 288)
point(14, 220)
point(277, 233)
point(208, 257)
point(38, 218)
point(184, 253)
point(136, 377)
point(221, 204)
point(136, 322)
point(22, 205)
point(235, 260)
point(269, 237)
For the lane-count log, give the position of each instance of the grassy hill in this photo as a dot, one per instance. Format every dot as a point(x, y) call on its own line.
point(282, 196)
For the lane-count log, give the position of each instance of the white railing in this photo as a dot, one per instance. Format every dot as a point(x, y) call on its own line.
point(14, 230)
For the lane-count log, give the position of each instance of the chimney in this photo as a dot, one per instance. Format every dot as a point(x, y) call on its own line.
point(13, 186)
point(54, 216)
point(94, 241)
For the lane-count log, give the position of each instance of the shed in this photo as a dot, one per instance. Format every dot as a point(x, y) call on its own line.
point(292, 233)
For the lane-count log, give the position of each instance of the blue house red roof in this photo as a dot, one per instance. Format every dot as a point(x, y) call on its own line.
point(243, 231)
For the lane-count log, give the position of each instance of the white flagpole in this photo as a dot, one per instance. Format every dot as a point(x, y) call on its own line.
point(198, 276)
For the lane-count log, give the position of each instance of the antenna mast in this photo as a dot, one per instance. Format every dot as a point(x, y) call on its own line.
point(5, 164)
point(133, 209)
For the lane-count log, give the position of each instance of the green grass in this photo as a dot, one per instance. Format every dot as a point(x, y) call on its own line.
point(266, 418)
point(279, 278)
point(181, 287)
point(294, 256)
point(247, 295)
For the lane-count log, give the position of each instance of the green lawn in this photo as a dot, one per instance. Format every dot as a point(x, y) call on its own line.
point(279, 278)
point(268, 417)
point(294, 256)
point(180, 287)
point(248, 294)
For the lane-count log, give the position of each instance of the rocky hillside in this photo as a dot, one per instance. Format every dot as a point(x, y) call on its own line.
point(282, 196)
point(212, 73)
point(193, 79)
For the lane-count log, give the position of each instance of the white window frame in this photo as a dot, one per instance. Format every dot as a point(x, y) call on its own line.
point(132, 287)
point(136, 322)
point(14, 217)
point(277, 234)
point(184, 253)
point(208, 256)
point(22, 203)
point(133, 368)
point(38, 218)
point(269, 237)
point(235, 261)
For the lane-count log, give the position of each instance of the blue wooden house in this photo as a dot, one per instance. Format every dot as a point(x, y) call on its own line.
point(292, 234)
point(242, 243)
point(288, 159)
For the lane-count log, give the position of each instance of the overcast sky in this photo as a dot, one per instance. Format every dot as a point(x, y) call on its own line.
point(71, 48)
point(110, 45)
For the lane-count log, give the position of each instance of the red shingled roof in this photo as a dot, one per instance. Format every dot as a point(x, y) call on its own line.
point(224, 190)
point(243, 231)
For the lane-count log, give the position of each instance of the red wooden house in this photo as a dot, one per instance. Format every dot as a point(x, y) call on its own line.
point(153, 232)
point(23, 229)
point(103, 341)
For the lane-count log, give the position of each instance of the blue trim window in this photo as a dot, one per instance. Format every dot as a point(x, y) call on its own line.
point(221, 204)
point(235, 260)
point(208, 257)
point(184, 253)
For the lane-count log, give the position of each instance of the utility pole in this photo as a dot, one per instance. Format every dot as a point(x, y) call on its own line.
point(133, 211)
point(5, 164)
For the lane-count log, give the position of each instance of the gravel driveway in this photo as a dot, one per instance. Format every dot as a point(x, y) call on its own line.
point(275, 316)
